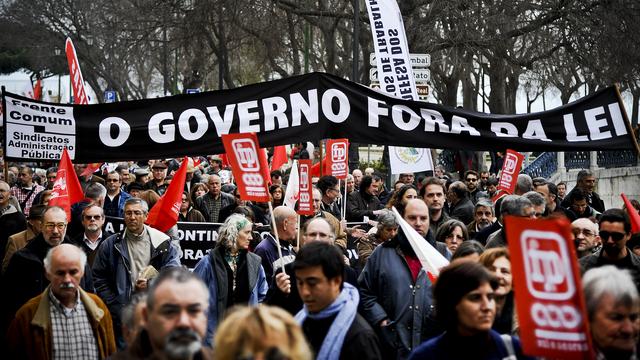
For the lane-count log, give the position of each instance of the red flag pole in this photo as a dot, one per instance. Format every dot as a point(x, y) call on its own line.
point(275, 232)
point(298, 236)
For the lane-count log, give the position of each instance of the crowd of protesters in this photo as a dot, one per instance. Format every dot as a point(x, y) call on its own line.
point(346, 283)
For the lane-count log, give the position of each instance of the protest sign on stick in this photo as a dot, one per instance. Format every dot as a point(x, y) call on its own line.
point(510, 170)
point(549, 298)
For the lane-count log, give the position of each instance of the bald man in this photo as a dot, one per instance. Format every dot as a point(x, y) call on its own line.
point(287, 226)
point(64, 320)
point(586, 237)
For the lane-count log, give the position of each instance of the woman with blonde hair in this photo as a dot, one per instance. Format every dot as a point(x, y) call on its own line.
point(261, 332)
point(233, 275)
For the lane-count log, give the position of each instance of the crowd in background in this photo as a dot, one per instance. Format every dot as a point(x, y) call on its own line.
point(344, 283)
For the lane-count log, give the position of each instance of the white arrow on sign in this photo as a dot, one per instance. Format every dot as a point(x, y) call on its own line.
point(417, 60)
point(422, 76)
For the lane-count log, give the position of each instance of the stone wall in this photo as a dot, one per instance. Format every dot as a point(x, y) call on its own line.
point(610, 183)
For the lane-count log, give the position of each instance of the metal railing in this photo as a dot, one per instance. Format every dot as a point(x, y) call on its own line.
point(547, 163)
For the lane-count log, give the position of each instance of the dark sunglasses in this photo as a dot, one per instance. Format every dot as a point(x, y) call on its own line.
point(94, 217)
point(471, 180)
point(616, 236)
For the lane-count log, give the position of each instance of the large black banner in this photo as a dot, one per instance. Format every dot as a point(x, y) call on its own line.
point(307, 107)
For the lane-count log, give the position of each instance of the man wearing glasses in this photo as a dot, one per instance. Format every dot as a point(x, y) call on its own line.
point(473, 186)
point(586, 237)
point(25, 277)
point(92, 237)
point(615, 231)
point(126, 261)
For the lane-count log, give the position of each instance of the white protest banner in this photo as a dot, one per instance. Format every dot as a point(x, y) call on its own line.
point(395, 73)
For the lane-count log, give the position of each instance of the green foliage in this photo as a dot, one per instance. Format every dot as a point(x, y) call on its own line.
point(377, 165)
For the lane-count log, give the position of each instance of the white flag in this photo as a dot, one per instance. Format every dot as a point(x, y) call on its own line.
point(430, 258)
point(396, 75)
point(292, 194)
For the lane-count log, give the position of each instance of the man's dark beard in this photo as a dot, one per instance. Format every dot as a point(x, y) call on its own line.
point(182, 344)
point(611, 250)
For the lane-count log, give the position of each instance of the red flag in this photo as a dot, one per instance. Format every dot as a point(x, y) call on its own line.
point(248, 164)
point(91, 168)
point(279, 157)
point(77, 81)
point(549, 299)
point(164, 213)
point(510, 170)
point(66, 189)
point(633, 214)
point(225, 161)
point(337, 158)
point(305, 203)
point(37, 90)
point(315, 169)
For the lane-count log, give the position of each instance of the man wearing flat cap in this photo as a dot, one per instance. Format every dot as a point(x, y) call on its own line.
point(159, 174)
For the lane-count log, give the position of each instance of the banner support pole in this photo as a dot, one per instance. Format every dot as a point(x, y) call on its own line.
point(298, 233)
point(344, 200)
point(627, 123)
point(320, 144)
point(275, 232)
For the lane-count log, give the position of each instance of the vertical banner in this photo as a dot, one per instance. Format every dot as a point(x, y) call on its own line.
point(305, 205)
point(77, 81)
point(510, 170)
point(396, 74)
point(549, 298)
point(337, 158)
point(248, 163)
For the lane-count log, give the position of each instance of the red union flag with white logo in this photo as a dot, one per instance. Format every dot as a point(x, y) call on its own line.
point(249, 166)
point(510, 170)
point(305, 204)
point(549, 298)
point(77, 81)
point(338, 158)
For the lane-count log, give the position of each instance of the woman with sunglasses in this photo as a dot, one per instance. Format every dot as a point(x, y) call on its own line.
point(187, 212)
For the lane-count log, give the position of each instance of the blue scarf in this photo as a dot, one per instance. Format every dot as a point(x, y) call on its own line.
point(346, 306)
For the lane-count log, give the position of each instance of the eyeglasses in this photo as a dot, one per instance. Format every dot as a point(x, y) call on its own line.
point(472, 179)
point(616, 236)
point(113, 180)
point(185, 200)
point(51, 226)
point(585, 232)
point(93, 217)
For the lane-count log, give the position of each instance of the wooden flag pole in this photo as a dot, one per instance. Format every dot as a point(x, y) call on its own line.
point(275, 232)
point(344, 201)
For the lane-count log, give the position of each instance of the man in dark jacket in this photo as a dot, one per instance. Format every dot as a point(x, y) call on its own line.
point(587, 182)
point(215, 200)
point(329, 318)
point(460, 206)
point(92, 220)
point(395, 290)
point(615, 232)
point(364, 202)
point(126, 261)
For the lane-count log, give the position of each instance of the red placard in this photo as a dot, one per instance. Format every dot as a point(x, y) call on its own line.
point(248, 164)
point(549, 298)
point(77, 81)
point(510, 169)
point(337, 158)
point(305, 203)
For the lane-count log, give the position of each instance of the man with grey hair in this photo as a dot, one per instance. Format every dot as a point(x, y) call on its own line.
point(12, 221)
point(586, 237)
point(586, 181)
point(483, 216)
point(25, 274)
point(386, 229)
point(613, 307)
point(63, 322)
point(287, 228)
point(175, 319)
point(538, 203)
point(514, 205)
point(524, 184)
point(94, 193)
point(460, 206)
point(126, 261)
